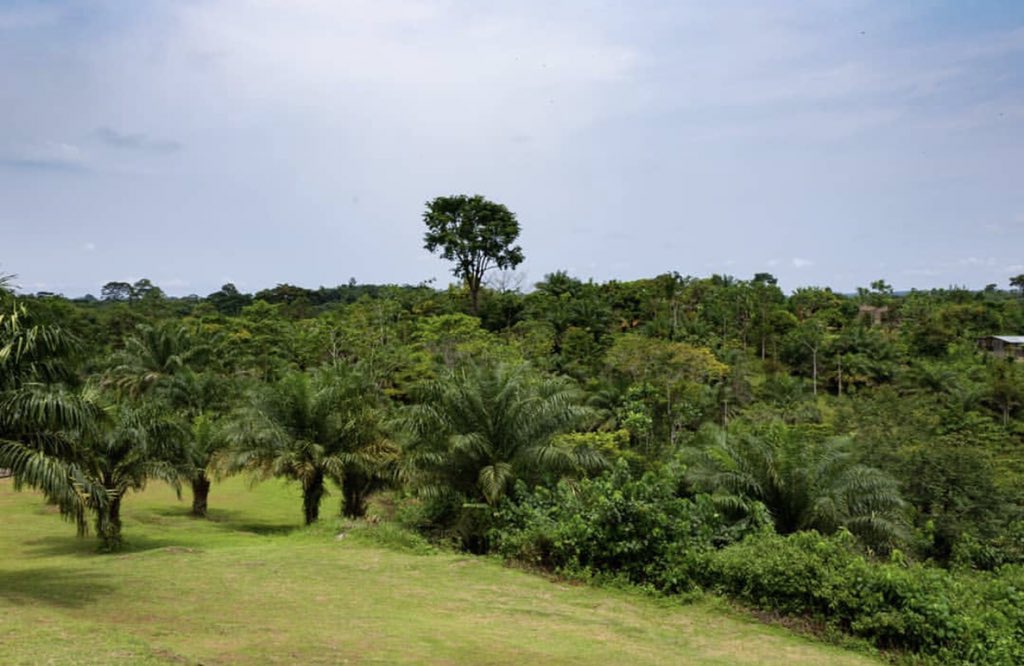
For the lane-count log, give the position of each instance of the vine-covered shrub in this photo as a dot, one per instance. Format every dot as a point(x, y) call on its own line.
point(955, 618)
point(637, 529)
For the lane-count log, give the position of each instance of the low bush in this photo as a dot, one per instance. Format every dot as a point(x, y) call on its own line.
point(637, 529)
point(968, 618)
point(643, 532)
point(985, 555)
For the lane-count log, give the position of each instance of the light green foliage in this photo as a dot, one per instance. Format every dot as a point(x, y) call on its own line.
point(454, 339)
point(611, 445)
point(666, 383)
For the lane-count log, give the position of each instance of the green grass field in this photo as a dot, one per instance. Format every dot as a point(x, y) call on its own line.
point(252, 586)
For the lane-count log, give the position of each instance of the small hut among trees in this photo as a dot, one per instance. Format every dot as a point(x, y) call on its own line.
point(1003, 346)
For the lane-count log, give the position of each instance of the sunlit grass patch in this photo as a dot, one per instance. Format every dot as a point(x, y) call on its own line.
point(251, 585)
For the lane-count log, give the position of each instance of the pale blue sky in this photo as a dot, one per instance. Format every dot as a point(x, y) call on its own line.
point(196, 143)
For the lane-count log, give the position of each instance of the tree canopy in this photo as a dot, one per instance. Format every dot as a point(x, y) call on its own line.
point(476, 234)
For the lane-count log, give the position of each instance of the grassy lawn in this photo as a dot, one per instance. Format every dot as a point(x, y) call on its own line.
point(251, 586)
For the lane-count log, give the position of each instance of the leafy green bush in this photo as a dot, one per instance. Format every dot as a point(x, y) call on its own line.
point(965, 618)
point(639, 530)
point(985, 555)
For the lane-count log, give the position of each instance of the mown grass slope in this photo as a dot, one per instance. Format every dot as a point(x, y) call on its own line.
point(251, 586)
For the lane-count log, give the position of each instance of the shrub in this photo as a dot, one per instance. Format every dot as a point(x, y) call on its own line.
point(966, 618)
point(636, 529)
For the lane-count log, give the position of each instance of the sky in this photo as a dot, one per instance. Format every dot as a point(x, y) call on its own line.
point(259, 142)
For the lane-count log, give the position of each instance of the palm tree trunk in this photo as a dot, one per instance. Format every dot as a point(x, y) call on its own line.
point(108, 525)
point(312, 493)
point(354, 492)
point(200, 493)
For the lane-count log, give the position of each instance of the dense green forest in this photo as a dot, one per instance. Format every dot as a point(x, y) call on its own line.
point(856, 459)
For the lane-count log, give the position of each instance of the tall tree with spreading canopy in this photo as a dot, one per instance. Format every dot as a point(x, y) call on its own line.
point(477, 234)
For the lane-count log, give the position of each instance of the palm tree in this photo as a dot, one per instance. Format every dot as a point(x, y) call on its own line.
point(313, 428)
point(34, 353)
point(122, 451)
point(37, 407)
point(205, 442)
point(86, 454)
point(39, 448)
point(482, 428)
point(159, 361)
point(804, 484)
point(151, 356)
point(196, 398)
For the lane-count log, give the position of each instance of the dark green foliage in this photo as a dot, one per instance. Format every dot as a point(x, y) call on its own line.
point(804, 482)
point(1007, 547)
point(483, 427)
point(314, 429)
point(475, 234)
point(955, 619)
point(616, 525)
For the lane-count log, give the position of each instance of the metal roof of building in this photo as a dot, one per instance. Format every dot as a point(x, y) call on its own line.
point(1010, 339)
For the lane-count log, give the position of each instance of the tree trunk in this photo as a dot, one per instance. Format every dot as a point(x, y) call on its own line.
point(839, 360)
point(814, 371)
point(354, 491)
point(200, 493)
point(108, 525)
point(312, 493)
point(474, 297)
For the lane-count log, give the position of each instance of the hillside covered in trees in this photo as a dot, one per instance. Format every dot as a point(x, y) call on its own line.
point(856, 459)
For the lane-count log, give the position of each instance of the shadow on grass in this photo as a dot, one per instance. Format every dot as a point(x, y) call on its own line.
point(230, 520)
point(67, 588)
point(89, 546)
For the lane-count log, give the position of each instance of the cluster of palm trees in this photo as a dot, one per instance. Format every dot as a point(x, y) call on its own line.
point(161, 410)
point(164, 408)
